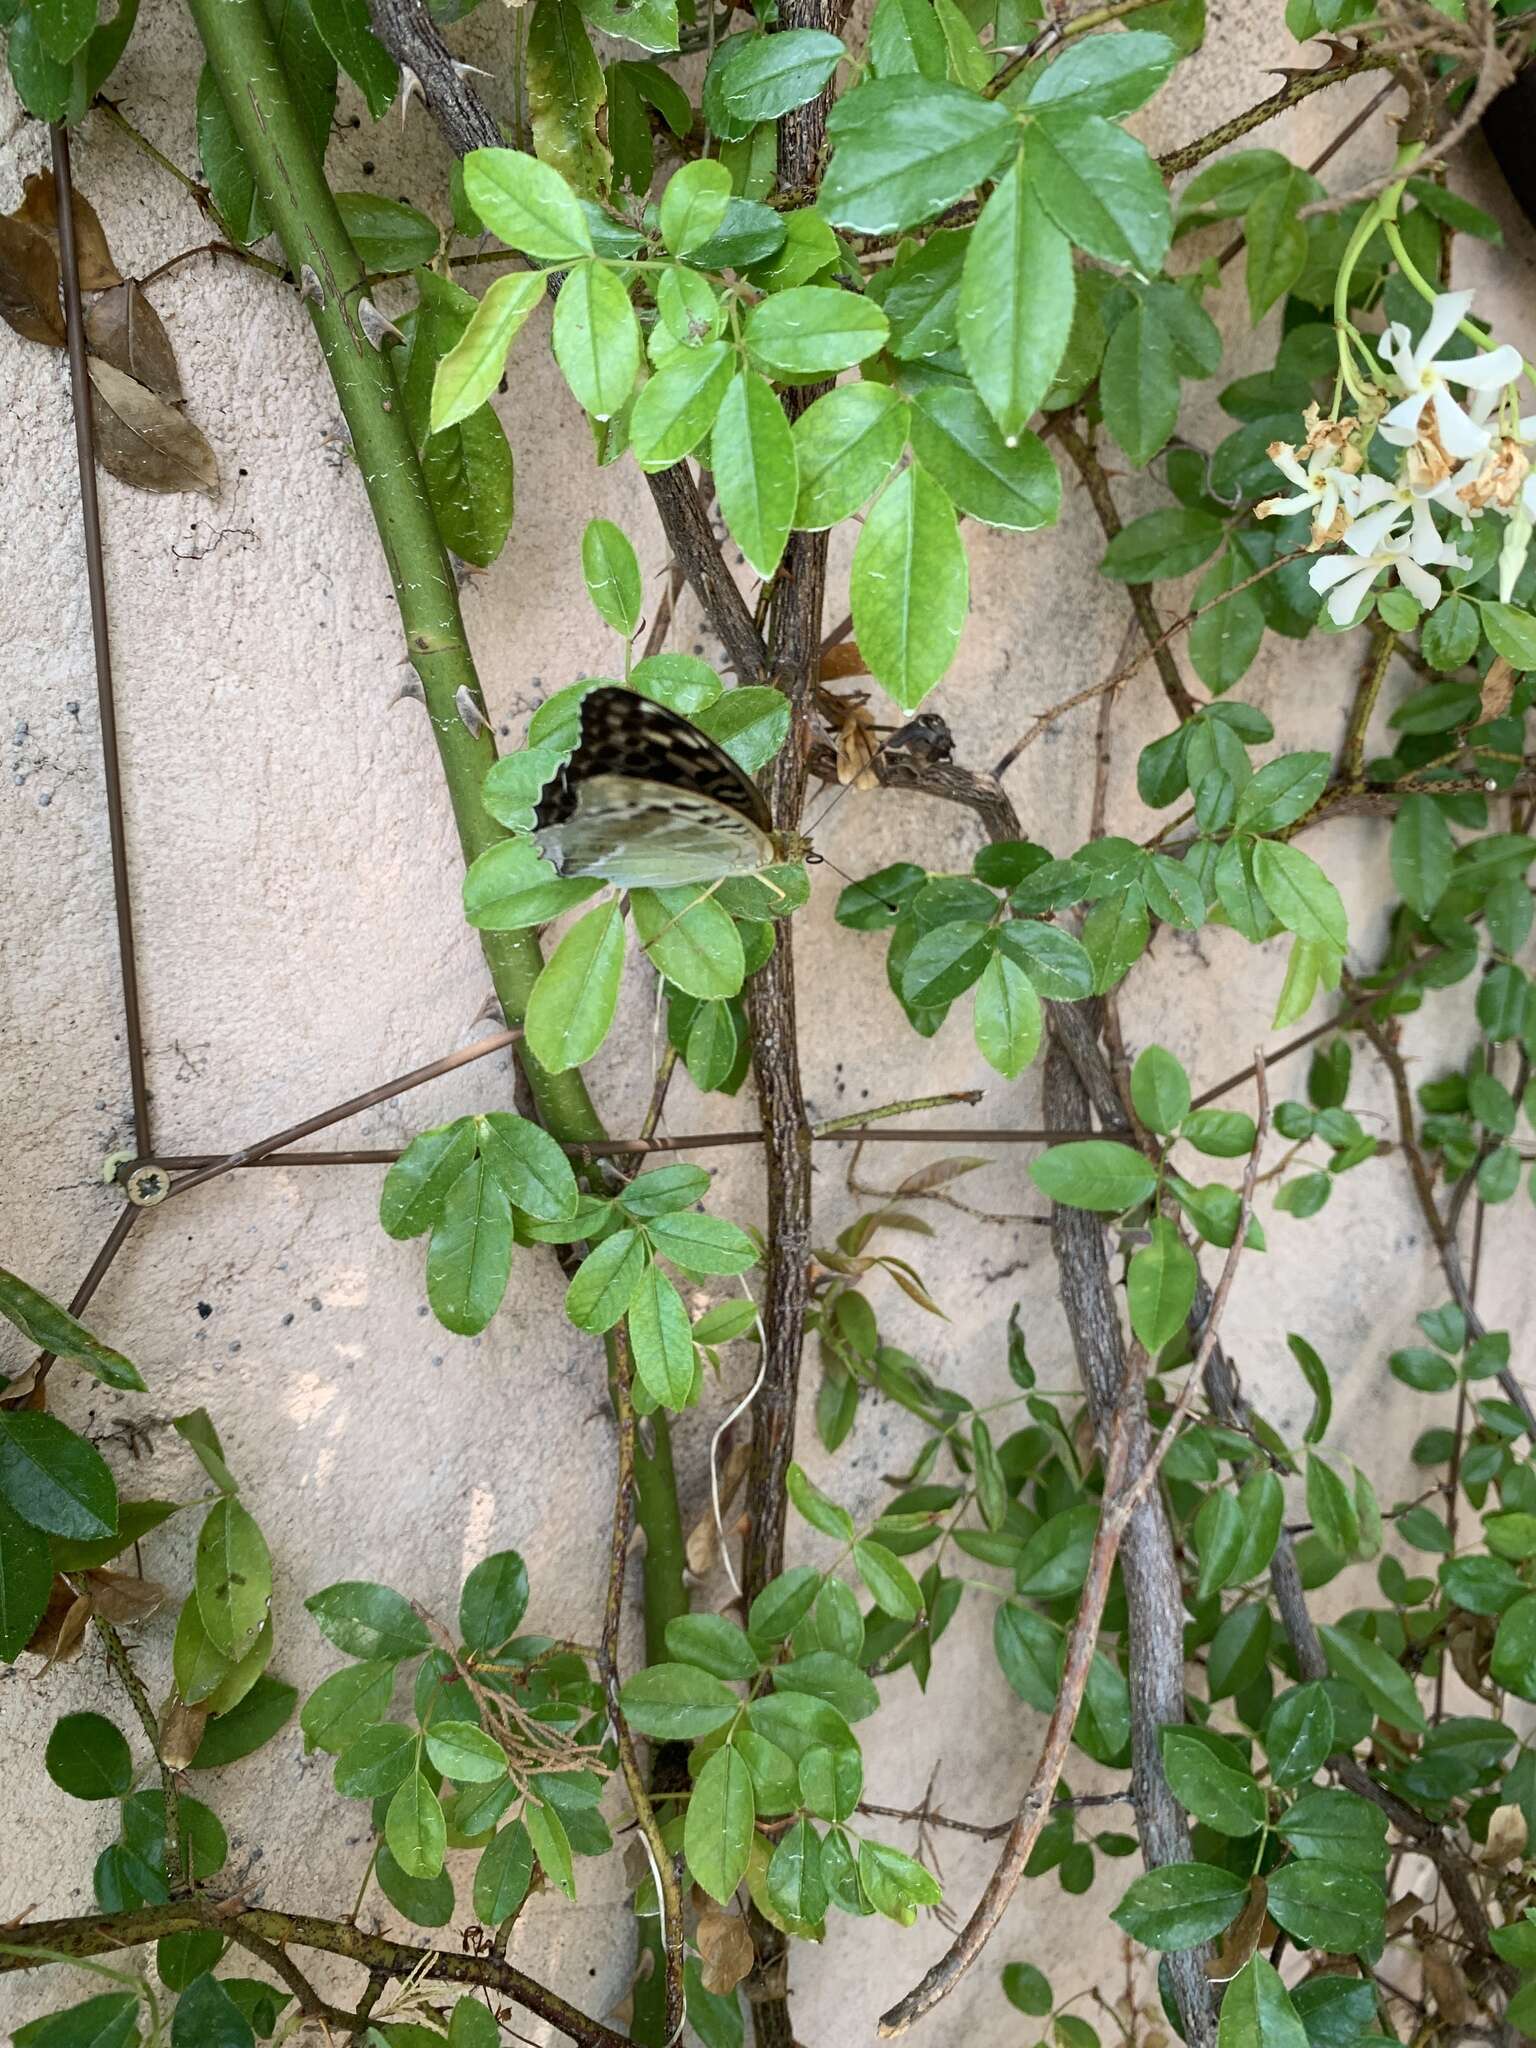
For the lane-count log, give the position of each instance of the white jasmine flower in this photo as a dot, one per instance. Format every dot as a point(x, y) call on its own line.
point(1327, 484)
point(1428, 412)
point(1376, 542)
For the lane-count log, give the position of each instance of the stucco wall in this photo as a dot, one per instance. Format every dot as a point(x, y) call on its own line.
point(296, 889)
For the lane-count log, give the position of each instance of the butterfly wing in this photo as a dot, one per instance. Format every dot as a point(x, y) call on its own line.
point(641, 834)
point(626, 735)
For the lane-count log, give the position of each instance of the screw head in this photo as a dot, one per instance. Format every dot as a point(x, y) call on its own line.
point(147, 1184)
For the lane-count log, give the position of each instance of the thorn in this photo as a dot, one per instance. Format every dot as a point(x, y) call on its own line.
point(473, 717)
point(377, 329)
point(310, 286)
point(411, 688)
point(409, 83)
point(470, 70)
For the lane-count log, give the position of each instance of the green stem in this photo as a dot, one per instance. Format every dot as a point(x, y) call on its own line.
point(243, 58)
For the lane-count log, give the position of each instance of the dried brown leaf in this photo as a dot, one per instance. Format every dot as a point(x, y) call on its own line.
point(1507, 1835)
point(29, 284)
point(181, 1730)
point(39, 209)
point(1445, 1983)
point(938, 1175)
point(843, 660)
point(1498, 688)
point(58, 1636)
point(857, 748)
point(900, 1219)
point(123, 1596)
point(725, 1951)
point(1242, 1937)
point(911, 1285)
point(703, 1546)
point(1401, 1912)
point(123, 329)
point(143, 441)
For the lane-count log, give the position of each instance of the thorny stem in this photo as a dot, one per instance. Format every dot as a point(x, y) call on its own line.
point(1300, 86)
point(1352, 759)
point(117, 1651)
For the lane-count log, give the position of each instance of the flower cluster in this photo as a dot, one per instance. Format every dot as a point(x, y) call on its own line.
point(1458, 458)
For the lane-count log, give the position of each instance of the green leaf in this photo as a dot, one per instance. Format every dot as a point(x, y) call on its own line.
point(1256, 2010)
point(52, 1328)
point(796, 1885)
point(369, 1621)
point(416, 1186)
point(597, 339)
point(846, 445)
point(346, 1703)
point(1331, 1507)
point(894, 1883)
point(956, 439)
point(110, 2021)
point(1510, 632)
point(1027, 1989)
point(1282, 792)
point(1102, 190)
point(470, 1256)
point(1514, 1648)
point(467, 376)
point(1111, 75)
point(717, 1831)
point(1340, 1911)
point(1218, 1534)
point(54, 1479)
point(943, 963)
point(575, 996)
point(1054, 1560)
point(533, 1171)
point(492, 1603)
point(1298, 1734)
point(890, 1584)
point(814, 331)
point(1094, 1173)
point(207, 2017)
point(1057, 963)
point(1028, 1648)
point(677, 406)
point(714, 1644)
point(604, 1283)
point(907, 147)
point(664, 1190)
point(905, 40)
point(252, 1721)
point(702, 1245)
point(756, 78)
point(234, 1578)
point(1016, 298)
point(526, 204)
point(1338, 1826)
point(1160, 1285)
point(503, 1874)
point(26, 1575)
point(909, 587)
point(661, 1339)
point(751, 722)
point(1159, 1090)
point(1139, 384)
point(508, 888)
point(377, 1763)
point(1387, 1687)
point(88, 1757)
point(1180, 1905)
point(1228, 1800)
point(1008, 1018)
point(465, 1753)
point(1299, 893)
point(1315, 1373)
point(388, 235)
point(1277, 240)
point(345, 29)
point(752, 454)
point(676, 1702)
point(690, 939)
point(551, 1845)
point(694, 204)
point(612, 575)
point(415, 1829)
point(565, 94)
point(1162, 544)
point(818, 1508)
point(1423, 853)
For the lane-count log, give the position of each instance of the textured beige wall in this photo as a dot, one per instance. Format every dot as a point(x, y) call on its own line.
point(296, 888)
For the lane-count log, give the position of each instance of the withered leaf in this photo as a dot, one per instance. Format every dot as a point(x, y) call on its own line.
point(725, 1951)
point(123, 1596)
point(857, 748)
point(141, 440)
point(1498, 688)
point(58, 1636)
point(911, 1285)
point(124, 329)
point(703, 1546)
point(1506, 1836)
point(1242, 1937)
point(39, 209)
point(181, 1730)
point(938, 1175)
point(1445, 1983)
point(843, 660)
point(29, 284)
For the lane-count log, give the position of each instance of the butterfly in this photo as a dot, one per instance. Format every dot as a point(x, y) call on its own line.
point(648, 801)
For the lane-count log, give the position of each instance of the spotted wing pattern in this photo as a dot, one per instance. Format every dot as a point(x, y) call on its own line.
point(626, 735)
